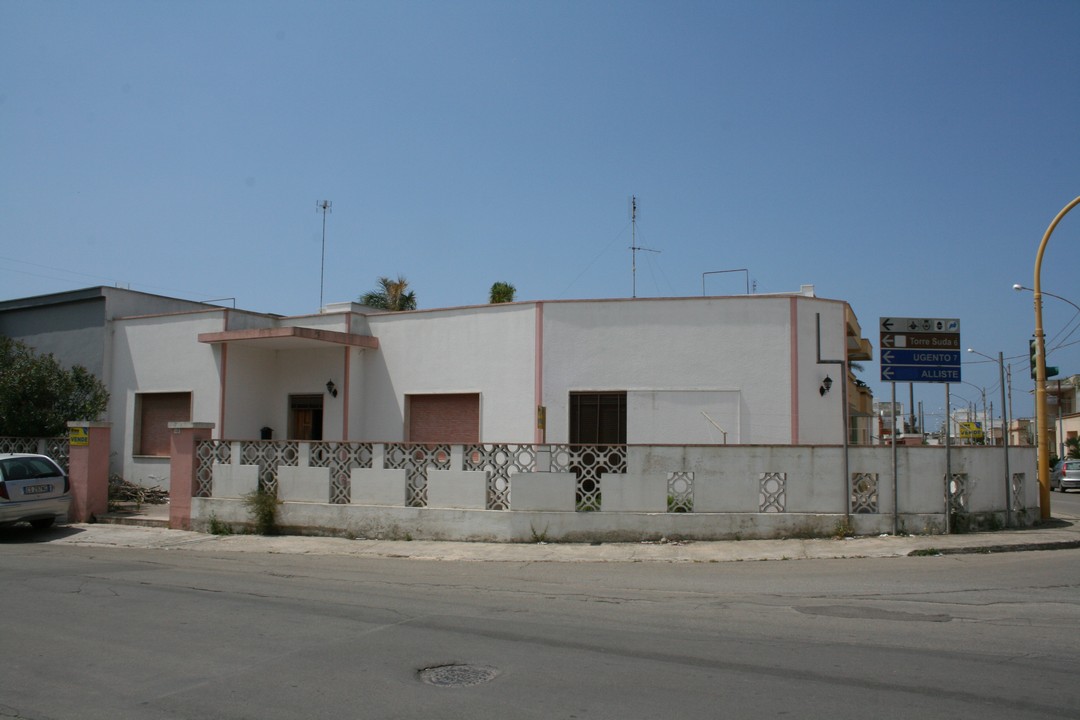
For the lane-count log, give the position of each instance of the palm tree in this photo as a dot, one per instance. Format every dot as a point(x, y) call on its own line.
point(1072, 448)
point(502, 292)
point(390, 295)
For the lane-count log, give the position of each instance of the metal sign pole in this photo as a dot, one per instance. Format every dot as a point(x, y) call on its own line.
point(948, 464)
point(895, 475)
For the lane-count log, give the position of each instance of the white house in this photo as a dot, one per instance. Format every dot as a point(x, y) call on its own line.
point(734, 370)
point(709, 370)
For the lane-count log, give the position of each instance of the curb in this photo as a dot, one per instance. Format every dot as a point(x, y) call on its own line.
point(993, 549)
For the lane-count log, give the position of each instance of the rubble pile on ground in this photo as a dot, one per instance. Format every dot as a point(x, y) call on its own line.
point(122, 491)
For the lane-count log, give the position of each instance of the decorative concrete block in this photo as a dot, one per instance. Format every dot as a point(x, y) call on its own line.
point(234, 481)
point(543, 491)
point(633, 493)
point(303, 484)
point(379, 487)
point(459, 489)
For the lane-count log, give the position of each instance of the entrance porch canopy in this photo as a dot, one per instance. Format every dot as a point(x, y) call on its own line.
point(290, 338)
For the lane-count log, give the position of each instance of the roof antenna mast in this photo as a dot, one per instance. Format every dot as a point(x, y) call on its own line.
point(633, 243)
point(323, 206)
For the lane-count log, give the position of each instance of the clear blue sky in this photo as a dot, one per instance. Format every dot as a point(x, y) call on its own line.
point(903, 156)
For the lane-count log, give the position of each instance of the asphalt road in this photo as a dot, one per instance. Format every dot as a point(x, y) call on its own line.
point(121, 633)
point(1065, 503)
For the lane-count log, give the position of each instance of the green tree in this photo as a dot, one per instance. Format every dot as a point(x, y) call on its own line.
point(1072, 448)
point(502, 292)
point(390, 295)
point(38, 396)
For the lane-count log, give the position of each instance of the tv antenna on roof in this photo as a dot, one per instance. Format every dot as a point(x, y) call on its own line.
point(633, 242)
point(324, 206)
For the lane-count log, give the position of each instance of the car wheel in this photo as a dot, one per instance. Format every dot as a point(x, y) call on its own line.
point(42, 523)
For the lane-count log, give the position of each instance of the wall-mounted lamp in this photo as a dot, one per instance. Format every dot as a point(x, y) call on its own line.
point(331, 388)
point(826, 386)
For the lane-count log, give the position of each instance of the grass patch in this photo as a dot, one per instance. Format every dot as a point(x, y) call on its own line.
point(843, 529)
point(218, 527)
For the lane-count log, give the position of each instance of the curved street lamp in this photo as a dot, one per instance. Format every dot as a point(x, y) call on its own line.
point(1018, 287)
point(1040, 371)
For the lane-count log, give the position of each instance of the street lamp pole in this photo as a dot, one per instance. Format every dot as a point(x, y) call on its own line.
point(1040, 371)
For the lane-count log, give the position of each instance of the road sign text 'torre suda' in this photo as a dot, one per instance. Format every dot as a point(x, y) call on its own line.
point(920, 350)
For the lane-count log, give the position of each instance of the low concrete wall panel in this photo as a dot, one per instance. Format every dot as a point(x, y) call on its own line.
point(378, 487)
point(543, 491)
point(304, 484)
point(464, 489)
point(234, 481)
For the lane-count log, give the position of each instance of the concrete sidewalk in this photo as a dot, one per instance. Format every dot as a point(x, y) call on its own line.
point(1060, 533)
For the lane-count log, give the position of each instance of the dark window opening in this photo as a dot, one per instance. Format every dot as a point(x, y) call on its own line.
point(305, 417)
point(598, 418)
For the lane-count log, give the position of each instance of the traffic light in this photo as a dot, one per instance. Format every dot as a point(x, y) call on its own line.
point(1033, 352)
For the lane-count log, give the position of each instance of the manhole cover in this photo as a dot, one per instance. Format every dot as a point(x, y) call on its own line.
point(458, 675)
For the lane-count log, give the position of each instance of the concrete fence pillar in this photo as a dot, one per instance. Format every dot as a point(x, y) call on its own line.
point(88, 469)
point(183, 482)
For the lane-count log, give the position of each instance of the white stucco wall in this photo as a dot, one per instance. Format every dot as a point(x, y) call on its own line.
point(721, 348)
point(729, 497)
point(465, 350)
point(306, 372)
point(160, 354)
point(820, 417)
point(252, 401)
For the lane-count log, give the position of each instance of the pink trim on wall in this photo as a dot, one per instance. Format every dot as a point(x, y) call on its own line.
point(345, 400)
point(221, 391)
point(793, 321)
point(220, 431)
point(538, 372)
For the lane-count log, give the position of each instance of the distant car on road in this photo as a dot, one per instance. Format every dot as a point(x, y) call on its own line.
point(33, 489)
point(1066, 475)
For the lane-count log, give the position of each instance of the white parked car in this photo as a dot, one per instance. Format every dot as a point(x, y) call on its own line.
point(33, 489)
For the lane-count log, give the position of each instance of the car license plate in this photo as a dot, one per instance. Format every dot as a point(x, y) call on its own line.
point(37, 489)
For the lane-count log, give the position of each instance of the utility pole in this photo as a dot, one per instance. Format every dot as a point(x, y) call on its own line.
point(324, 206)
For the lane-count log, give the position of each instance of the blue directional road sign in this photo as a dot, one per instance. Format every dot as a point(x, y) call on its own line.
point(920, 350)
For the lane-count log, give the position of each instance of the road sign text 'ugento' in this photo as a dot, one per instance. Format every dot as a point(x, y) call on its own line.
point(920, 349)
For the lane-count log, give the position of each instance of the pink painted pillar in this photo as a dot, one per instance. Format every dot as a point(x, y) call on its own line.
point(88, 469)
point(182, 480)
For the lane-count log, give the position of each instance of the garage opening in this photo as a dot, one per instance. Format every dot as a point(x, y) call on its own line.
point(444, 418)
